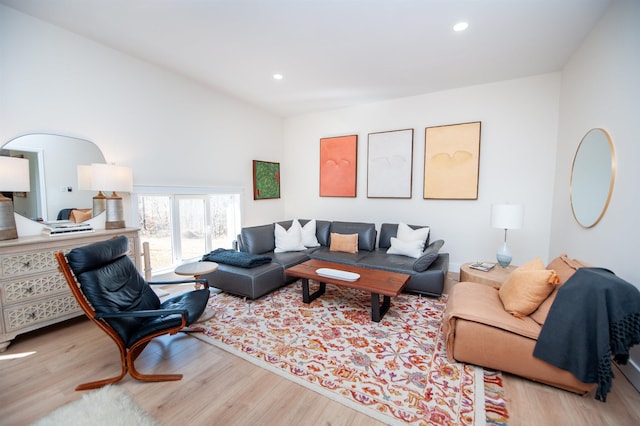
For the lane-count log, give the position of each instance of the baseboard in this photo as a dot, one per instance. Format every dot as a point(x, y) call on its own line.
point(631, 370)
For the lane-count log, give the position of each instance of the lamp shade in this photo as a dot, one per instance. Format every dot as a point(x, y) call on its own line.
point(507, 216)
point(14, 174)
point(109, 177)
point(84, 178)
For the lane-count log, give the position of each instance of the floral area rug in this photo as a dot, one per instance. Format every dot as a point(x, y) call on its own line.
point(395, 371)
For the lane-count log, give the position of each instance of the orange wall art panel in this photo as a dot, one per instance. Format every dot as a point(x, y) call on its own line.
point(338, 166)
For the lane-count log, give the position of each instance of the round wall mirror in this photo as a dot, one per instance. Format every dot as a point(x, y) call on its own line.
point(53, 175)
point(592, 177)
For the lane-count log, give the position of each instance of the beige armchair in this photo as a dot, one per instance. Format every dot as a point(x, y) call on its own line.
point(478, 330)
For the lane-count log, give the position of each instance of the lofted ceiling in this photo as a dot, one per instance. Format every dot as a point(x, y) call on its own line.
point(332, 53)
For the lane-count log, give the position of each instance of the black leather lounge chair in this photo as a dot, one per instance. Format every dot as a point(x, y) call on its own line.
point(113, 294)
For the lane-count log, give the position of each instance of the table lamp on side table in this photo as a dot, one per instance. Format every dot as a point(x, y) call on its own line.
point(506, 216)
point(14, 177)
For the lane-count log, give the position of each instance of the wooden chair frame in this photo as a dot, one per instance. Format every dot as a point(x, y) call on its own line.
point(127, 355)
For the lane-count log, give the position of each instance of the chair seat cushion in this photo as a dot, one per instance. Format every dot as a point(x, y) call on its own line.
point(194, 302)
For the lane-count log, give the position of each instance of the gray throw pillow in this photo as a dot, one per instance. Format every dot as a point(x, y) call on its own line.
point(428, 256)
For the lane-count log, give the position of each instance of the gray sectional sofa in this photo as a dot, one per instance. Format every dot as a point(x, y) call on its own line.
point(427, 272)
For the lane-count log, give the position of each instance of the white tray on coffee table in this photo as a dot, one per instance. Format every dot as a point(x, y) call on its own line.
point(338, 274)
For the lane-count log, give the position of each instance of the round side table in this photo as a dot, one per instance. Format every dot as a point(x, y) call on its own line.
point(196, 269)
point(494, 277)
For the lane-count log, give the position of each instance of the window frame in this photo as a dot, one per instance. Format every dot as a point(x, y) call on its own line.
point(175, 194)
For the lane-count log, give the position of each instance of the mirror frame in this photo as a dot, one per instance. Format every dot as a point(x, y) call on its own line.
point(610, 162)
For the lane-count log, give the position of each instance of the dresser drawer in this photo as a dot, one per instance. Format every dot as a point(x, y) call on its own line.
point(22, 316)
point(28, 263)
point(23, 289)
point(17, 264)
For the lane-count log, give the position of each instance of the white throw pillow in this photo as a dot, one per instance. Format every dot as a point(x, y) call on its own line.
point(406, 233)
point(411, 248)
point(288, 240)
point(309, 238)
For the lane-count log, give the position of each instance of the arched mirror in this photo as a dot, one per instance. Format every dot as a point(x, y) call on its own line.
point(592, 177)
point(53, 171)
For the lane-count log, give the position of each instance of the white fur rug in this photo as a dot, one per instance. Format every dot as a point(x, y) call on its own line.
point(108, 406)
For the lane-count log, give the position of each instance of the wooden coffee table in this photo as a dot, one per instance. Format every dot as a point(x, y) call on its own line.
point(375, 281)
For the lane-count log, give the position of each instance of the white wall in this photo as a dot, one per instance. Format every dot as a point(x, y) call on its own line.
point(170, 130)
point(517, 159)
point(601, 88)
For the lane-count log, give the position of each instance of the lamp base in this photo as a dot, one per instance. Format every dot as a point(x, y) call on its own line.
point(8, 229)
point(115, 212)
point(99, 203)
point(115, 224)
point(504, 256)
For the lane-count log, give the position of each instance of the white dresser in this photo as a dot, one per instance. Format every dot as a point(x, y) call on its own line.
point(33, 293)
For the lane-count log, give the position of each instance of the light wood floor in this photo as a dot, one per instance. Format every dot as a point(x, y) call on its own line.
point(219, 388)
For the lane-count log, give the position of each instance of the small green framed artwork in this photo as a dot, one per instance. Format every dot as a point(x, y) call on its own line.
point(266, 180)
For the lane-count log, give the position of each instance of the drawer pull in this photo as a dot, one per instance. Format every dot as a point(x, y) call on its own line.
point(32, 315)
point(30, 290)
point(27, 263)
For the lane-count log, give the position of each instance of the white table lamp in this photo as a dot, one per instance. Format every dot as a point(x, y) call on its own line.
point(85, 184)
point(109, 177)
point(506, 216)
point(14, 177)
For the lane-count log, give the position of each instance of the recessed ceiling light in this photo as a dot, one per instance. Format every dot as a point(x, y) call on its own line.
point(460, 26)
point(278, 76)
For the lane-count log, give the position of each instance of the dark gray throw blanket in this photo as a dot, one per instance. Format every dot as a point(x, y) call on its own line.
point(236, 258)
point(595, 316)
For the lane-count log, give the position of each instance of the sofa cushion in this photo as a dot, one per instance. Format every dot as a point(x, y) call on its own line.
point(407, 233)
point(412, 248)
point(564, 267)
point(289, 259)
point(323, 232)
point(258, 239)
point(347, 243)
point(527, 287)
point(325, 253)
point(428, 256)
point(309, 238)
point(288, 239)
point(380, 259)
point(322, 229)
point(388, 230)
point(481, 303)
point(366, 233)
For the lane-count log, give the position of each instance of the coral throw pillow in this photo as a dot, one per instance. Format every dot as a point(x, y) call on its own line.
point(527, 287)
point(344, 242)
